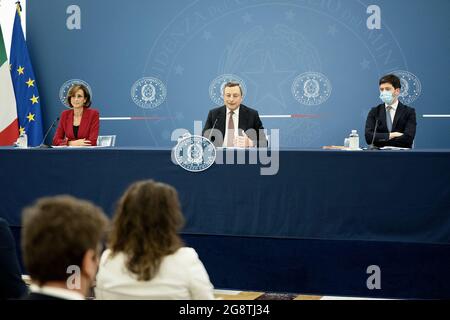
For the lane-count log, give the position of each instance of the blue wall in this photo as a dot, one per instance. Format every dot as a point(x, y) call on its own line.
point(267, 44)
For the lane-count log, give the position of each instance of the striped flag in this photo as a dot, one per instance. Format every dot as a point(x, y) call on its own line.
point(9, 128)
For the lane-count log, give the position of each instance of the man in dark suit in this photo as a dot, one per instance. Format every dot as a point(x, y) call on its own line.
point(11, 284)
point(61, 241)
point(234, 125)
point(395, 122)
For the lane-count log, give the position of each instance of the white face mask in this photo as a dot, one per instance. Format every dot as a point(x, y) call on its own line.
point(387, 97)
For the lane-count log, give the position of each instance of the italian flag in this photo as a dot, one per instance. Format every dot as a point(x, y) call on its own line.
point(9, 127)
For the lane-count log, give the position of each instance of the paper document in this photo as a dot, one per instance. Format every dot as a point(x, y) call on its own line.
point(394, 148)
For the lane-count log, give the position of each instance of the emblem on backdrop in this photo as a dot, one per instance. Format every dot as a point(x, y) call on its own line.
point(311, 88)
point(148, 93)
point(411, 86)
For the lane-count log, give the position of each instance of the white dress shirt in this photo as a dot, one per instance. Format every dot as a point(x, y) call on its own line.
point(181, 276)
point(236, 125)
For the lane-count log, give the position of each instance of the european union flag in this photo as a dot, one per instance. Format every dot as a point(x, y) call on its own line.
point(25, 87)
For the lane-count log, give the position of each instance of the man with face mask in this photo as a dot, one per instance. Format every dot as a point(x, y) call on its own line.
point(395, 123)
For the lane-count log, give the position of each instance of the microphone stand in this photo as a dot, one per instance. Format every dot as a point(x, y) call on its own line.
point(212, 129)
point(42, 145)
point(372, 146)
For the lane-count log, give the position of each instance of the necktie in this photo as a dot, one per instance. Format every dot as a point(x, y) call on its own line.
point(388, 118)
point(230, 134)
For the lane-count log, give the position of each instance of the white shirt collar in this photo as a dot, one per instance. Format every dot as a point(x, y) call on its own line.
point(393, 106)
point(57, 292)
point(236, 111)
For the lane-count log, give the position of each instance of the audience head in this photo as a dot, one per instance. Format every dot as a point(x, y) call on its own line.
point(146, 225)
point(61, 239)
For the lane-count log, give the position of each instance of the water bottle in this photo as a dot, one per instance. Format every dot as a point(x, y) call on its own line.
point(347, 143)
point(354, 140)
point(22, 141)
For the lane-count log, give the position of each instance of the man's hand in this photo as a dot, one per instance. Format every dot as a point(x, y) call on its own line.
point(80, 143)
point(243, 142)
point(393, 135)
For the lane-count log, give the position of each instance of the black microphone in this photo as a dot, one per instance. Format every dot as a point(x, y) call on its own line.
point(372, 146)
point(42, 145)
point(212, 129)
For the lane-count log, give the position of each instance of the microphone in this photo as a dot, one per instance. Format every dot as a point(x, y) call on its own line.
point(372, 146)
point(42, 145)
point(212, 129)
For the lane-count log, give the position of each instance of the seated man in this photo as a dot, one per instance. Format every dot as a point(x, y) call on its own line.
point(61, 242)
point(234, 125)
point(395, 123)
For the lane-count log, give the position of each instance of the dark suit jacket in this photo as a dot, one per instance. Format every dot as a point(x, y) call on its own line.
point(88, 129)
point(11, 284)
point(404, 122)
point(39, 296)
point(248, 119)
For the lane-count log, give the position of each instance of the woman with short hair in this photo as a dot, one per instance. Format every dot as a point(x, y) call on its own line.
point(79, 125)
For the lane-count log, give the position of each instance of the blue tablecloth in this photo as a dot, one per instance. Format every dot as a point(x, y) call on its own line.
point(399, 196)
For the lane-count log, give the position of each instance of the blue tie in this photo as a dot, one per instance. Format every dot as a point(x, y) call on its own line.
point(388, 118)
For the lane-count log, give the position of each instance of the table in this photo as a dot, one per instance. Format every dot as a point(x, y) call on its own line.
point(338, 201)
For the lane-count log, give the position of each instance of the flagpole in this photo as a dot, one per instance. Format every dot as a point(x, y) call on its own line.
point(19, 7)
